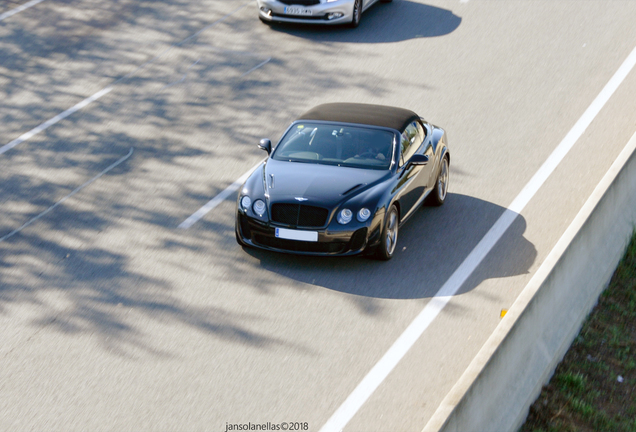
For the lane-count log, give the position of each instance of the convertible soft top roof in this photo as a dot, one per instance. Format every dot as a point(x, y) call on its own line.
point(375, 115)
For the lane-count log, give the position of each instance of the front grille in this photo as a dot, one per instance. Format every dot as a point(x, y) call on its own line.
point(302, 17)
point(300, 2)
point(299, 246)
point(299, 215)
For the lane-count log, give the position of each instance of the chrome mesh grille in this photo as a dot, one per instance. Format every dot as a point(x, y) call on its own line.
point(299, 215)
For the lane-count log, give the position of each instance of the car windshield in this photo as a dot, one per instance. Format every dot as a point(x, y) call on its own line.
point(334, 144)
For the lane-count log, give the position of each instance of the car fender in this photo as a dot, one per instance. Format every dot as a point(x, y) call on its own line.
point(439, 142)
point(375, 198)
point(254, 187)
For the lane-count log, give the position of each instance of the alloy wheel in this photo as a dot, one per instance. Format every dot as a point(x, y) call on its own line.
point(391, 233)
point(442, 181)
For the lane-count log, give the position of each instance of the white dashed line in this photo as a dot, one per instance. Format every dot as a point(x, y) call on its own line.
point(106, 90)
point(76, 190)
point(182, 79)
point(257, 66)
point(217, 199)
point(403, 344)
point(36, 130)
point(19, 9)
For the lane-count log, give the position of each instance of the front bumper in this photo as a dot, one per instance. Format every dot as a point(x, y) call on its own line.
point(255, 233)
point(323, 13)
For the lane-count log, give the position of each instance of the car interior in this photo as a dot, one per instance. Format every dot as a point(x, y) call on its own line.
point(337, 145)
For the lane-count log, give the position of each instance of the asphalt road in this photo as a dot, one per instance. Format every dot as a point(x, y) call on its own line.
point(112, 318)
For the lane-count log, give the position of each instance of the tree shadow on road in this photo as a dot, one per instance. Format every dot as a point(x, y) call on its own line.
point(197, 107)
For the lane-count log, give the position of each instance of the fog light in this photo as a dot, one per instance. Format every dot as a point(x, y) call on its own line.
point(334, 15)
point(266, 11)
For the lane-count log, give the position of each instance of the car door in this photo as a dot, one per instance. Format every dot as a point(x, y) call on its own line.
point(412, 178)
point(424, 176)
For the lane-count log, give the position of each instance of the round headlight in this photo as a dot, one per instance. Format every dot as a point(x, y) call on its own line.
point(344, 217)
point(259, 207)
point(364, 214)
point(245, 202)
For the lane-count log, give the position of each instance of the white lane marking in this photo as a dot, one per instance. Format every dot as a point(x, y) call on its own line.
point(106, 90)
point(36, 130)
point(459, 389)
point(403, 344)
point(182, 79)
point(257, 66)
point(76, 190)
point(19, 9)
point(217, 199)
point(223, 18)
point(152, 60)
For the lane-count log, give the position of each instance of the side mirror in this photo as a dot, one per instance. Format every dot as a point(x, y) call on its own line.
point(418, 159)
point(266, 144)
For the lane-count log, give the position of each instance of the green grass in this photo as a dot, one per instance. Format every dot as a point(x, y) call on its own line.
point(585, 393)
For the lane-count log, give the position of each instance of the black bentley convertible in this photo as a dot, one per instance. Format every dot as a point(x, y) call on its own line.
point(341, 181)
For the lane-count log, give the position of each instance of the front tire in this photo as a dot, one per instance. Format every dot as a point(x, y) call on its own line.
point(440, 190)
point(389, 237)
point(357, 14)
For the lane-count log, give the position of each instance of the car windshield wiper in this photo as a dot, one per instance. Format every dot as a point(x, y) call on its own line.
point(301, 160)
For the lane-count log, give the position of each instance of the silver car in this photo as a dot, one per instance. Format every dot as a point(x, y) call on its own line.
point(314, 11)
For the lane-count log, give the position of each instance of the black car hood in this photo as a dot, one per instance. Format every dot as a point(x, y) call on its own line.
point(324, 185)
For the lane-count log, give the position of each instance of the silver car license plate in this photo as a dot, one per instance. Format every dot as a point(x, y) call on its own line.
point(295, 10)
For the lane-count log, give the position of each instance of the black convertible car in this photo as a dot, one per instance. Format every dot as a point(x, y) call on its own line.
point(341, 181)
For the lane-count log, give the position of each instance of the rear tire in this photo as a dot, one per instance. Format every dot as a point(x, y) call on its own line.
point(389, 236)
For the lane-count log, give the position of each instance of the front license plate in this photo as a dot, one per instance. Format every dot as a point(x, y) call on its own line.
point(294, 10)
point(309, 236)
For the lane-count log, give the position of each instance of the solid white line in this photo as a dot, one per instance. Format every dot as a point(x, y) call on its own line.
point(460, 388)
point(217, 199)
point(403, 344)
point(19, 9)
point(52, 121)
point(76, 190)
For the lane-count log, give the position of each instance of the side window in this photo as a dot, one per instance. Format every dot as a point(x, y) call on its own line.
point(410, 141)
